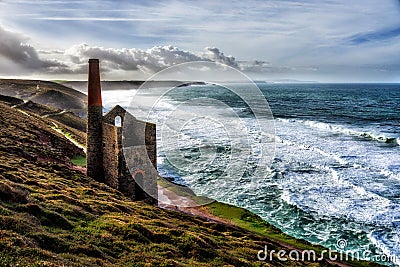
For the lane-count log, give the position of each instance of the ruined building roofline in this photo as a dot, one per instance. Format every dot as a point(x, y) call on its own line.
point(116, 109)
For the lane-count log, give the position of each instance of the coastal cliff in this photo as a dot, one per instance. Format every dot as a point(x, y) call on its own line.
point(51, 214)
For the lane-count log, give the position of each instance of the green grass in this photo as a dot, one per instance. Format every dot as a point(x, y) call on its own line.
point(242, 218)
point(254, 223)
point(53, 215)
point(79, 161)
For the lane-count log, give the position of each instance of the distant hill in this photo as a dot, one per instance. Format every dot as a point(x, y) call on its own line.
point(11, 100)
point(122, 85)
point(46, 93)
point(54, 117)
point(54, 97)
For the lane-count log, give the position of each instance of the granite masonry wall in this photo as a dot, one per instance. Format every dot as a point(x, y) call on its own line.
point(136, 148)
point(94, 159)
point(110, 151)
point(110, 155)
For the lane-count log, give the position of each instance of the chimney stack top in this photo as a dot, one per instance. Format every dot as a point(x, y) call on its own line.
point(94, 85)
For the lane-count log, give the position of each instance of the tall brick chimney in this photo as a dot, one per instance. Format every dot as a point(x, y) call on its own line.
point(94, 155)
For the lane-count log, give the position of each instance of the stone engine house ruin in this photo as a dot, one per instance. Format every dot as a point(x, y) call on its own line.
point(121, 150)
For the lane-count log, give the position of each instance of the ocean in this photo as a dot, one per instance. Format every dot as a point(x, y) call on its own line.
point(329, 172)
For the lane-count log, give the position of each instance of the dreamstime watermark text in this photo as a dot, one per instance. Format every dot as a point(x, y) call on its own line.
point(338, 254)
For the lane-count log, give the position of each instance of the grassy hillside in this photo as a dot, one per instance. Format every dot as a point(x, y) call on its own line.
point(64, 121)
point(49, 93)
point(51, 214)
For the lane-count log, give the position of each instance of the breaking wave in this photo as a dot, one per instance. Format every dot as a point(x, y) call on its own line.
point(378, 137)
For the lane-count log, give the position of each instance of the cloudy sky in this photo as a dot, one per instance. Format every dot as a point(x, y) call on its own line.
point(311, 40)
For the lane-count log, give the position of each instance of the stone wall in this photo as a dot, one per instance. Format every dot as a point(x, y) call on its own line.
point(135, 132)
point(140, 154)
point(110, 155)
point(112, 114)
point(126, 182)
point(143, 173)
point(109, 149)
point(135, 144)
point(94, 159)
point(140, 133)
point(151, 143)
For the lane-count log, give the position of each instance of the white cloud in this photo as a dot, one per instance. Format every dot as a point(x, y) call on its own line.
point(14, 47)
point(52, 52)
point(134, 63)
point(113, 19)
point(146, 61)
point(213, 54)
point(26, 58)
point(287, 38)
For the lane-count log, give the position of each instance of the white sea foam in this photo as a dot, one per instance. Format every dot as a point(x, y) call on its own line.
point(379, 137)
point(349, 131)
point(388, 246)
point(326, 171)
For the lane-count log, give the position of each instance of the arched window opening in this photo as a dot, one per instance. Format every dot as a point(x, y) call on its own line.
point(118, 121)
point(139, 176)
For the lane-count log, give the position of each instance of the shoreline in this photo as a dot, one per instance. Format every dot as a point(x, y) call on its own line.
point(214, 214)
point(244, 219)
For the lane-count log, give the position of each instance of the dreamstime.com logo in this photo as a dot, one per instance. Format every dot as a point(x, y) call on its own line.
point(340, 254)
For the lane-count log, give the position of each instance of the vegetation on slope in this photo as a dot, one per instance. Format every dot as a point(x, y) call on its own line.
point(51, 214)
point(66, 122)
point(48, 93)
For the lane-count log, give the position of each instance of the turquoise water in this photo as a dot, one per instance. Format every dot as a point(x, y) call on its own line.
point(334, 174)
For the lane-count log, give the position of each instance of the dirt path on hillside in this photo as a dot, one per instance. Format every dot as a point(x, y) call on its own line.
point(169, 199)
